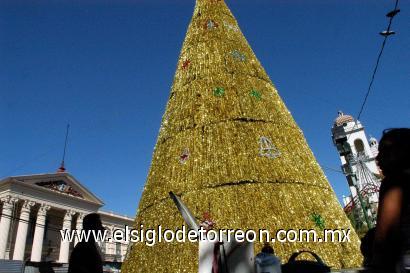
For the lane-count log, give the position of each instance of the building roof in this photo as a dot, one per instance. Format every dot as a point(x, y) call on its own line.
point(342, 118)
point(61, 183)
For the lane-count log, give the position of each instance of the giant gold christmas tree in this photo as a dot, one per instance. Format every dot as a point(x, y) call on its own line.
point(228, 144)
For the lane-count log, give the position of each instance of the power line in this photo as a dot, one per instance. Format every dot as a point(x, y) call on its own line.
point(386, 34)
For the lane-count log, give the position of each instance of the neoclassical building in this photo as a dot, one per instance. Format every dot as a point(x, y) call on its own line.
point(34, 208)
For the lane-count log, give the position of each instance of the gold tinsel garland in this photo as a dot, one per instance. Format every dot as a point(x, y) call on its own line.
point(221, 108)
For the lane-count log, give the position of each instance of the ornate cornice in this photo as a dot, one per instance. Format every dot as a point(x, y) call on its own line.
point(8, 201)
point(27, 205)
point(43, 209)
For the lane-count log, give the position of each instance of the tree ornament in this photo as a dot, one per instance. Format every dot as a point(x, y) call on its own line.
point(318, 220)
point(236, 54)
point(207, 223)
point(267, 149)
point(256, 94)
point(185, 64)
point(232, 133)
point(219, 92)
point(210, 24)
point(231, 27)
point(183, 158)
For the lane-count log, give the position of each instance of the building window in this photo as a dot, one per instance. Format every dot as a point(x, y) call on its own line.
point(102, 247)
point(358, 144)
point(118, 248)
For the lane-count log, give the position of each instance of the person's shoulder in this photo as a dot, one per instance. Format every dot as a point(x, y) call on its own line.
point(260, 255)
point(83, 247)
point(84, 252)
point(263, 256)
point(277, 259)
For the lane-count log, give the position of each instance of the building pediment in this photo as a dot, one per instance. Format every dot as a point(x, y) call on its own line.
point(59, 183)
point(61, 186)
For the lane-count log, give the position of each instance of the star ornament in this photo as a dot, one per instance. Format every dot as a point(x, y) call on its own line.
point(185, 64)
point(256, 94)
point(318, 220)
point(219, 92)
point(183, 158)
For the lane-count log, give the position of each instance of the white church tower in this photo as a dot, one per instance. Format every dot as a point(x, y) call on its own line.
point(357, 155)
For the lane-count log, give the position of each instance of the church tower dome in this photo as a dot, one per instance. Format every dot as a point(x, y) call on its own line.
point(343, 119)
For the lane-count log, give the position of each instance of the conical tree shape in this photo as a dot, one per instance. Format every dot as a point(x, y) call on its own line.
point(228, 145)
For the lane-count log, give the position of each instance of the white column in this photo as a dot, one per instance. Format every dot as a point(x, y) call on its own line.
point(78, 226)
point(65, 245)
point(123, 250)
point(20, 244)
point(103, 245)
point(5, 221)
point(37, 248)
point(109, 245)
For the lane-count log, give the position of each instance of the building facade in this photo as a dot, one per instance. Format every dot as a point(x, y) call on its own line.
point(34, 208)
point(358, 158)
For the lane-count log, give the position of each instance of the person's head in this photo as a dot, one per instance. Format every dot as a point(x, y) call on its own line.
point(92, 221)
point(267, 249)
point(394, 152)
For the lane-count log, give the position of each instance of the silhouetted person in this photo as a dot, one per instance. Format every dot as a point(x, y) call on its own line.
point(392, 238)
point(86, 257)
point(45, 267)
point(366, 247)
point(266, 261)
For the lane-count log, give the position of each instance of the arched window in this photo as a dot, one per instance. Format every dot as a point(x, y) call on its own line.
point(358, 144)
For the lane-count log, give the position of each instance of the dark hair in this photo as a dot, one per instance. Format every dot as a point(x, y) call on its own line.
point(267, 249)
point(92, 221)
point(394, 152)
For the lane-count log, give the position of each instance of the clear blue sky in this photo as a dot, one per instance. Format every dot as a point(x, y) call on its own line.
point(107, 68)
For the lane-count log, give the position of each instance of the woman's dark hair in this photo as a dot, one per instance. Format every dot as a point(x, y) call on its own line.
point(267, 249)
point(394, 152)
point(92, 221)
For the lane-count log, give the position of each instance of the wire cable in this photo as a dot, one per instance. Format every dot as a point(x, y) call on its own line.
point(377, 63)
